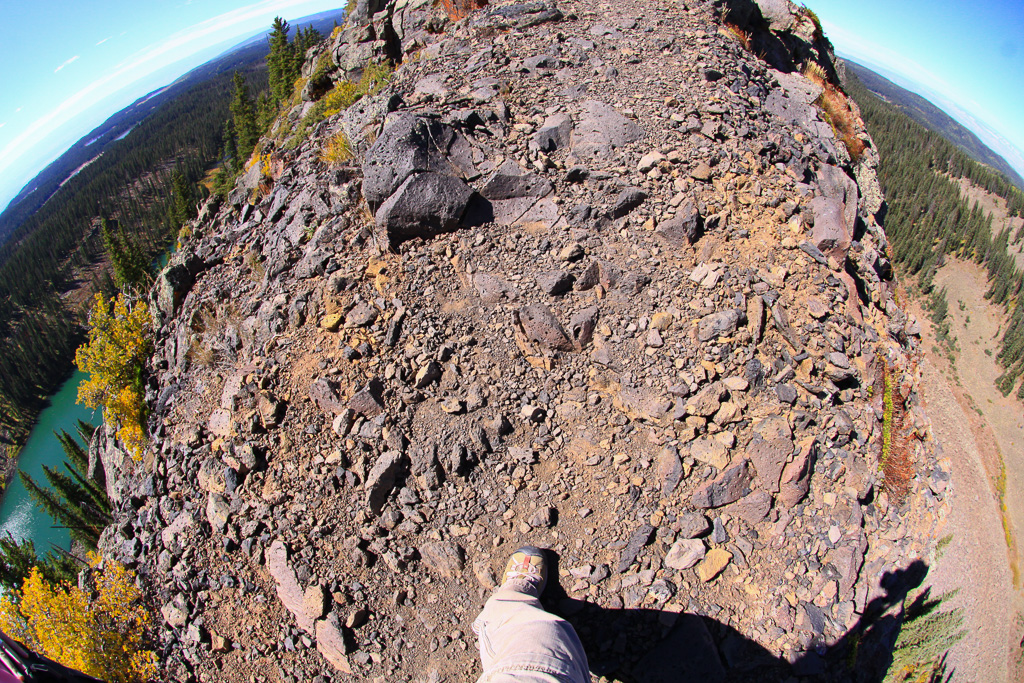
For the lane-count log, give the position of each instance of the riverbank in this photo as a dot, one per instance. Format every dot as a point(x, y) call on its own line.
point(8, 465)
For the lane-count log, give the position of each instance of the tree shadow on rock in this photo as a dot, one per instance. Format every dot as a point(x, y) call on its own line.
point(656, 646)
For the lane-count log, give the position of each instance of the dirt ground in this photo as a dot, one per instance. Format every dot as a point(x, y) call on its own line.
point(976, 559)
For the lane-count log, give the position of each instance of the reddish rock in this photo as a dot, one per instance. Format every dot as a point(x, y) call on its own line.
point(288, 589)
point(796, 477)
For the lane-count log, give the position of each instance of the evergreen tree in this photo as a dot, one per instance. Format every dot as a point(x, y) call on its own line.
point(244, 114)
point(82, 529)
point(126, 259)
point(85, 433)
point(183, 206)
point(229, 153)
point(77, 464)
point(266, 111)
point(281, 61)
point(305, 39)
point(49, 246)
point(74, 501)
point(929, 218)
point(17, 558)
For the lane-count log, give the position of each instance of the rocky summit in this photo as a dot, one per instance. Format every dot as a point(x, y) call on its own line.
point(599, 277)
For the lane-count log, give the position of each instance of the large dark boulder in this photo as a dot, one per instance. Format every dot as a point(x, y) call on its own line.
point(410, 144)
point(425, 205)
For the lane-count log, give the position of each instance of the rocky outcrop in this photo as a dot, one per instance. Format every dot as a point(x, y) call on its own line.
point(599, 280)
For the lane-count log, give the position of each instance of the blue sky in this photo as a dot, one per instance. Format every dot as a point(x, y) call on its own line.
point(966, 57)
point(68, 65)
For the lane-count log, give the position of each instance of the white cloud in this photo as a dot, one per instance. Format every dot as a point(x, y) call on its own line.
point(66, 62)
point(205, 32)
point(3, 124)
point(104, 40)
point(176, 47)
point(17, 110)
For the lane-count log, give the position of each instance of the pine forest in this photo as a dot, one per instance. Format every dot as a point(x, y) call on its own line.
point(928, 219)
point(107, 224)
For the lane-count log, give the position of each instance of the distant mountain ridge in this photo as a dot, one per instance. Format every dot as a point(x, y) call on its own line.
point(931, 117)
point(42, 187)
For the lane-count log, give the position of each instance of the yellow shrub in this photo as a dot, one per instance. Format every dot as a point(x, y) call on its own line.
point(113, 357)
point(338, 150)
point(342, 96)
point(104, 637)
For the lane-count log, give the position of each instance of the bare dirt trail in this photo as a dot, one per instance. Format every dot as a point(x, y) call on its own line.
point(976, 560)
point(977, 326)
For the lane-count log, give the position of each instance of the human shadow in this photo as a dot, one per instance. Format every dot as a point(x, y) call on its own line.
point(658, 646)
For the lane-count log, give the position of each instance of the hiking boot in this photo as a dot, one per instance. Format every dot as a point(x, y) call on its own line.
point(528, 565)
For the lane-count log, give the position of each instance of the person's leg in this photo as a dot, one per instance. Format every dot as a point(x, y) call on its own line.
point(521, 641)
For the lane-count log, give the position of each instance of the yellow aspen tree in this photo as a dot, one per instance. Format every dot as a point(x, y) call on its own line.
point(103, 637)
point(114, 356)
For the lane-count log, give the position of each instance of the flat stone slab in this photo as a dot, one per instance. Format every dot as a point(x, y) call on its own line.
point(601, 130)
point(728, 487)
point(288, 589)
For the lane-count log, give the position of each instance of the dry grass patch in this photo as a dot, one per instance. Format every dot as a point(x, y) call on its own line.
point(837, 109)
point(739, 35)
point(460, 9)
point(338, 150)
point(897, 460)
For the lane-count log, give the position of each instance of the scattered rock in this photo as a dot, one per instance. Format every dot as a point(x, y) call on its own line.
point(288, 590)
point(444, 558)
point(639, 538)
point(362, 315)
point(718, 324)
point(685, 554)
point(731, 485)
point(380, 481)
point(796, 477)
point(554, 134)
point(693, 525)
point(330, 642)
point(628, 199)
point(555, 282)
point(670, 470)
point(702, 172)
point(714, 564)
point(540, 325)
point(683, 228)
point(367, 401)
point(543, 518)
point(601, 130)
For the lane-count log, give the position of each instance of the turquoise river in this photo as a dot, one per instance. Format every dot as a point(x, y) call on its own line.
point(18, 514)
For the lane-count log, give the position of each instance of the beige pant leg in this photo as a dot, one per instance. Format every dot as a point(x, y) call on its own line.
point(521, 641)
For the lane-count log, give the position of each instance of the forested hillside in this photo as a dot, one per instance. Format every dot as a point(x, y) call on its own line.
point(101, 228)
point(933, 118)
point(48, 255)
point(928, 218)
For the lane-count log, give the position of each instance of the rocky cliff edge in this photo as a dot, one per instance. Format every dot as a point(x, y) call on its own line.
point(598, 278)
